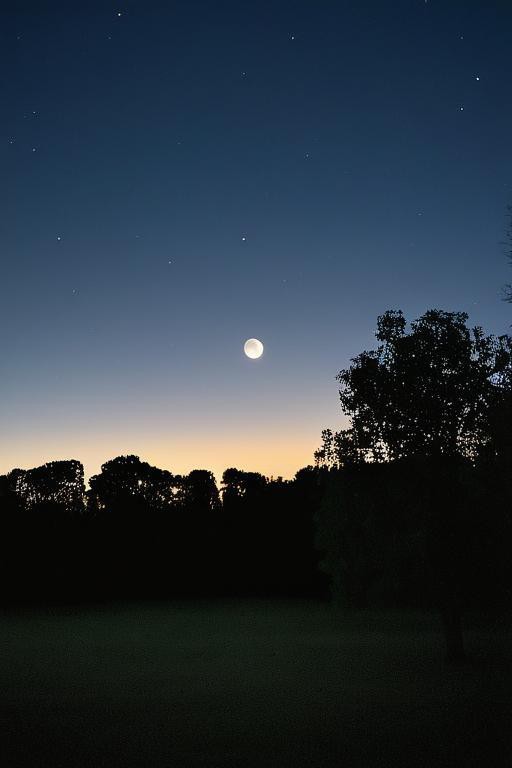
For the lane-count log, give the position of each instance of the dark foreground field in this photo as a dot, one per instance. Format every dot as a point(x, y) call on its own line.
point(250, 683)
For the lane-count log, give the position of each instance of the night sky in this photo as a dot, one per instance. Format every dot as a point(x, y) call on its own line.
point(179, 177)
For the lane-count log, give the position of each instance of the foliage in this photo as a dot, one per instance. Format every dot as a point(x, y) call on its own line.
point(58, 483)
point(416, 507)
point(427, 392)
point(147, 532)
point(126, 481)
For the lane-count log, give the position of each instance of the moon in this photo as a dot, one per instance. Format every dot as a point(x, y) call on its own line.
point(253, 348)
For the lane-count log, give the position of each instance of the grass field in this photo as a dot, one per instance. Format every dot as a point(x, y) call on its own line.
point(248, 683)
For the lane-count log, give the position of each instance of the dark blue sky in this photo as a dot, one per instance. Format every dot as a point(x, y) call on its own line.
point(183, 176)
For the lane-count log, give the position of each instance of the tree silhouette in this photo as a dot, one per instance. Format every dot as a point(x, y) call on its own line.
point(145, 532)
point(42, 509)
point(58, 483)
point(197, 537)
point(424, 399)
point(427, 392)
point(242, 502)
point(269, 533)
point(135, 509)
point(126, 483)
point(150, 522)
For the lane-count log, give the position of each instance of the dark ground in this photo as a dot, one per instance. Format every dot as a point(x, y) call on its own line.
point(248, 683)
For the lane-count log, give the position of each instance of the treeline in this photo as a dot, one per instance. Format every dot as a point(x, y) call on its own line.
point(143, 532)
point(410, 505)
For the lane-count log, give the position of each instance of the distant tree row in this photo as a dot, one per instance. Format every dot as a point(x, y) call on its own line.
point(140, 531)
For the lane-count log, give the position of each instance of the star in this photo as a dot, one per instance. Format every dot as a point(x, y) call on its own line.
point(292, 37)
point(244, 238)
point(33, 149)
point(462, 109)
point(477, 77)
point(119, 13)
point(59, 237)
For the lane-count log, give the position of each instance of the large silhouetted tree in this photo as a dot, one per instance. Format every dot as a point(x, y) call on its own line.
point(427, 392)
point(423, 398)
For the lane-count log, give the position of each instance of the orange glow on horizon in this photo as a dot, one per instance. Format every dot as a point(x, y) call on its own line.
point(271, 455)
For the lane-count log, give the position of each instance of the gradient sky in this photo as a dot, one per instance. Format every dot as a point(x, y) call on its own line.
point(178, 177)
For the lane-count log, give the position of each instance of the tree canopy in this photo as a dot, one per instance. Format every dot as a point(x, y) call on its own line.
point(428, 391)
